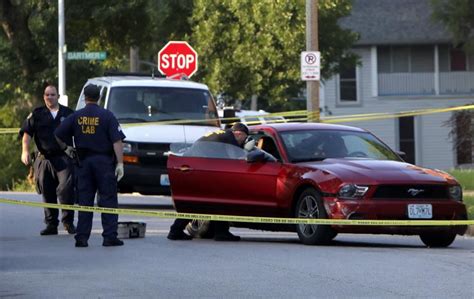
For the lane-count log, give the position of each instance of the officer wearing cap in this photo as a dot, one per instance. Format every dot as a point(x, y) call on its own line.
point(52, 168)
point(98, 142)
point(236, 136)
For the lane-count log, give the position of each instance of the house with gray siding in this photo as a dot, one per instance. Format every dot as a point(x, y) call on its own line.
point(407, 62)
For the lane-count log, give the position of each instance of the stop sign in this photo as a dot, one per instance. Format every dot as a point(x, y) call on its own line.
point(177, 58)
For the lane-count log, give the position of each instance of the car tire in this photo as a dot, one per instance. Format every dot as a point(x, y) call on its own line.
point(438, 240)
point(310, 205)
point(202, 229)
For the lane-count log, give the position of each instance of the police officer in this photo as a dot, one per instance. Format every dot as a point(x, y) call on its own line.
point(236, 136)
point(98, 142)
point(53, 170)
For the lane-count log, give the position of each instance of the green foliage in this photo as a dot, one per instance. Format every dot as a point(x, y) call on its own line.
point(245, 48)
point(24, 185)
point(469, 202)
point(465, 177)
point(253, 47)
point(11, 168)
point(458, 17)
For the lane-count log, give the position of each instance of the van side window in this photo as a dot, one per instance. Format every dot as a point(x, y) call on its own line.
point(103, 95)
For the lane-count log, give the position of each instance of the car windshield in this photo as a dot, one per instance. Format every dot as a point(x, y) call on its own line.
point(155, 104)
point(317, 145)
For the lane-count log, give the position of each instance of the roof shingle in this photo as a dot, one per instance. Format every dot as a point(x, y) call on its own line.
point(390, 22)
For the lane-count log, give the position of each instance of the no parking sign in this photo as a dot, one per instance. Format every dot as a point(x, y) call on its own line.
point(310, 65)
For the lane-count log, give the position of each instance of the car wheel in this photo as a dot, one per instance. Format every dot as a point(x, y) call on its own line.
point(438, 239)
point(310, 205)
point(201, 229)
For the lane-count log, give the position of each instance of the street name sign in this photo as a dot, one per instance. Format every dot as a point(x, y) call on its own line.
point(86, 55)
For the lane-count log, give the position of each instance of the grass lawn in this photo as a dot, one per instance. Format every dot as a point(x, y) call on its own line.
point(469, 202)
point(466, 178)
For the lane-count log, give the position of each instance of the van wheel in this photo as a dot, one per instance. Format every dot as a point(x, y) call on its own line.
point(200, 229)
point(438, 239)
point(309, 205)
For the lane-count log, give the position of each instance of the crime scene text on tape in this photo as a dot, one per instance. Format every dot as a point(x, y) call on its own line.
point(231, 218)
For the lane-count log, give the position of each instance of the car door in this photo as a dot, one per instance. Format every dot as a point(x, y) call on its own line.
point(224, 186)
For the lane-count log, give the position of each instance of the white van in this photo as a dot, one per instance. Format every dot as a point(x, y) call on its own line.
point(153, 113)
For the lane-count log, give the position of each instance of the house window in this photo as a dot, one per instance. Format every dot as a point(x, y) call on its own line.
point(348, 85)
point(406, 133)
point(458, 60)
point(454, 59)
point(405, 59)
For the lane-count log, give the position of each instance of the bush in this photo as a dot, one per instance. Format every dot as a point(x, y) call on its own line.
point(11, 168)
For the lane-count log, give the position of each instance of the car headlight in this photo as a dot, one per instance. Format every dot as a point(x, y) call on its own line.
point(455, 193)
point(127, 148)
point(352, 191)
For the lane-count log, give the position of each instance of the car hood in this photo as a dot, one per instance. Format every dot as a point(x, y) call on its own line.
point(164, 133)
point(381, 172)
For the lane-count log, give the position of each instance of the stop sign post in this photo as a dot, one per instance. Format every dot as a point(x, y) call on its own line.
point(177, 57)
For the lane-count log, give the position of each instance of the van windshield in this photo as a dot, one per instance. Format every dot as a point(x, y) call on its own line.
point(163, 104)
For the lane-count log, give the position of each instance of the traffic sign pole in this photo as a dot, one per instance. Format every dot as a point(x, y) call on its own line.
point(312, 87)
point(61, 61)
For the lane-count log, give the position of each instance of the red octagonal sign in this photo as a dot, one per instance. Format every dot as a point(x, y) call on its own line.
point(177, 58)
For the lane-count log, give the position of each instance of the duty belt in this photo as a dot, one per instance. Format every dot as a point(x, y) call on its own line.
point(83, 153)
point(50, 155)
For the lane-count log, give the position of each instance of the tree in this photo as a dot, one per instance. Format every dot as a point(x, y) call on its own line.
point(458, 17)
point(253, 47)
point(28, 55)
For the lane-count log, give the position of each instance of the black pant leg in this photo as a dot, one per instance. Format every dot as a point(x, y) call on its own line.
point(221, 227)
point(47, 183)
point(65, 188)
point(104, 174)
point(179, 225)
point(86, 189)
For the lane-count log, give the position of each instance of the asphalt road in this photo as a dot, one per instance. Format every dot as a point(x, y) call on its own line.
point(262, 265)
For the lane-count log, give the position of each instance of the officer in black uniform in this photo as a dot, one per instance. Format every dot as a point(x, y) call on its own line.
point(236, 136)
point(98, 142)
point(53, 170)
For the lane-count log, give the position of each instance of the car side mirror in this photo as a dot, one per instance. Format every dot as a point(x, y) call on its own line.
point(255, 156)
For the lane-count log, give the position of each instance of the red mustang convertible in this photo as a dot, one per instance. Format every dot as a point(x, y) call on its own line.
point(314, 171)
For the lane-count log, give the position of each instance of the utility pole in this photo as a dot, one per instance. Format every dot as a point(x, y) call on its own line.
point(61, 51)
point(312, 87)
point(134, 59)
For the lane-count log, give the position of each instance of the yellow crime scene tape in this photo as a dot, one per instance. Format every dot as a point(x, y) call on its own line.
point(231, 218)
point(299, 115)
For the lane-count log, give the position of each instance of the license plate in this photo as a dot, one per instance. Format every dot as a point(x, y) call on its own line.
point(164, 180)
point(420, 211)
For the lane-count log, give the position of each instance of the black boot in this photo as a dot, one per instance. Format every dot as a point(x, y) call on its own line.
point(81, 243)
point(227, 236)
point(179, 235)
point(112, 242)
point(49, 230)
point(70, 228)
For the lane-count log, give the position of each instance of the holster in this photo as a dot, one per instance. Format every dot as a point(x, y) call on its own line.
point(36, 161)
point(72, 153)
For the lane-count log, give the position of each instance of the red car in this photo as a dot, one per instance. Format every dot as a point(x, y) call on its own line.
point(315, 171)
